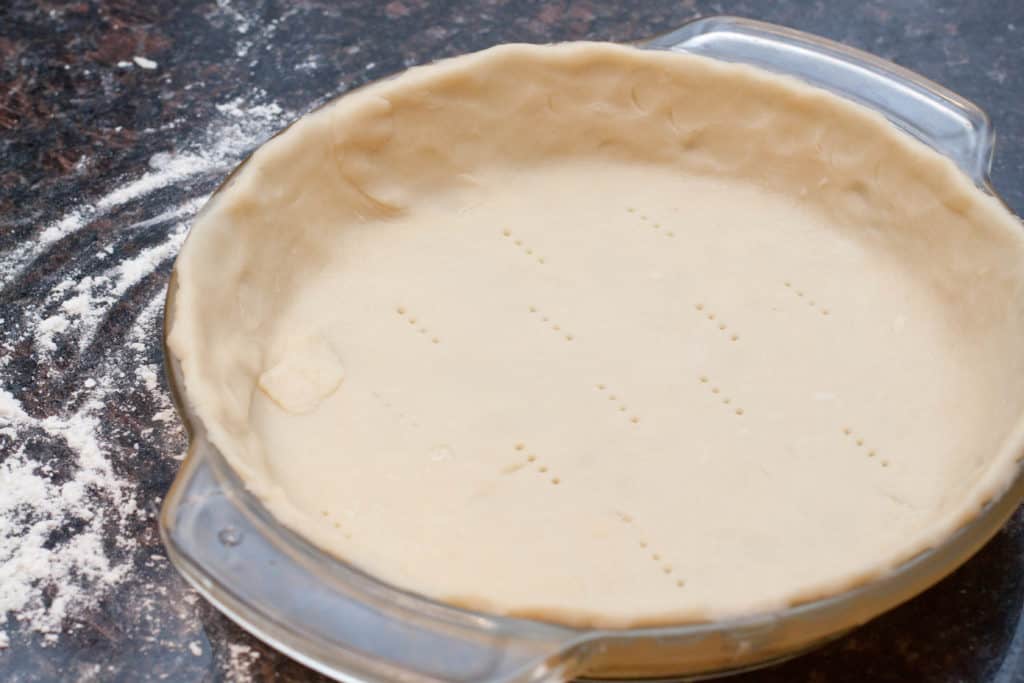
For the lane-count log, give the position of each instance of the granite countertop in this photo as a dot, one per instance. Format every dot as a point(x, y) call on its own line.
point(117, 118)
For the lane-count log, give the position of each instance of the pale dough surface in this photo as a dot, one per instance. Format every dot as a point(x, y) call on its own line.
point(607, 337)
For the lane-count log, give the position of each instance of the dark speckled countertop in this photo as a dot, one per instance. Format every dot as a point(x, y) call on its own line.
point(81, 118)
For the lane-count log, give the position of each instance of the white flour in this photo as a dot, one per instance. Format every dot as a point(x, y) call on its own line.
point(33, 507)
point(144, 63)
point(240, 661)
point(64, 508)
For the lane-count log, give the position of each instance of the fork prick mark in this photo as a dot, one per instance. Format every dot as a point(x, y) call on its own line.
point(716, 321)
point(717, 393)
point(617, 402)
point(532, 462)
point(550, 324)
point(524, 248)
point(663, 566)
point(809, 300)
point(416, 324)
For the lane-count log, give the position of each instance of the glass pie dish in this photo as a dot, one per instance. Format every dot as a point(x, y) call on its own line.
point(348, 625)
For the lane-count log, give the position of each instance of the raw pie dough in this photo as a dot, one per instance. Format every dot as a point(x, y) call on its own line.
point(607, 337)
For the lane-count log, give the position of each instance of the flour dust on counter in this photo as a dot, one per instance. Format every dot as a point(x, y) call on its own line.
point(83, 402)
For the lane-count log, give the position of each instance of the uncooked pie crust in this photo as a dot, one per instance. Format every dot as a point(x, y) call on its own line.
point(607, 337)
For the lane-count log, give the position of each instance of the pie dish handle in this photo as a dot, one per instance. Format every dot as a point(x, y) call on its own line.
point(943, 120)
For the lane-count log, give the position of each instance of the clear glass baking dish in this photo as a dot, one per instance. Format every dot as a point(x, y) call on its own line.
point(352, 627)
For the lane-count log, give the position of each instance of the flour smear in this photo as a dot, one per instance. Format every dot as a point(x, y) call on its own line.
point(71, 512)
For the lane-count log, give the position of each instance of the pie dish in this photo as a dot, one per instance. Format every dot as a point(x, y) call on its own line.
point(596, 338)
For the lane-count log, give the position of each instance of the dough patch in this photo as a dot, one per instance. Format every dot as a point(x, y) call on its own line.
point(308, 372)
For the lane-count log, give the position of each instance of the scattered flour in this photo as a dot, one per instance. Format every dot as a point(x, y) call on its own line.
point(73, 573)
point(47, 328)
point(166, 169)
point(311, 63)
point(144, 63)
point(130, 272)
point(148, 375)
point(71, 221)
point(242, 657)
point(10, 409)
point(66, 514)
point(242, 126)
point(186, 209)
point(242, 23)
